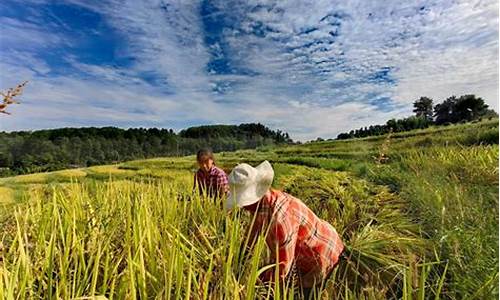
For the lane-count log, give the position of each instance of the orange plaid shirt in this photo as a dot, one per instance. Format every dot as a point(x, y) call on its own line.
point(301, 239)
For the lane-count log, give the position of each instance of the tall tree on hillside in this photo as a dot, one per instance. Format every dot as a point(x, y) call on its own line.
point(444, 112)
point(423, 108)
point(469, 107)
point(391, 124)
point(463, 109)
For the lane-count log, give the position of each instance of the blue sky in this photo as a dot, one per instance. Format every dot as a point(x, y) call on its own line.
point(312, 68)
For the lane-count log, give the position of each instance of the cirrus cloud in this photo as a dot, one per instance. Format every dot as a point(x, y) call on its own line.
point(312, 68)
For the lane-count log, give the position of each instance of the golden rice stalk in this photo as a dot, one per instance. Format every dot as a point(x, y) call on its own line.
point(10, 95)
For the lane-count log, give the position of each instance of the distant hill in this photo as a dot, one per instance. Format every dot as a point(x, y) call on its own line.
point(242, 131)
point(52, 149)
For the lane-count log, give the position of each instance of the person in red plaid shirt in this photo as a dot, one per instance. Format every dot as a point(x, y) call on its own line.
point(209, 179)
point(296, 237)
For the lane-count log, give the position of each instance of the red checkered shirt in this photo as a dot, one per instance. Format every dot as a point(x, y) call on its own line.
point(215, 183)
point(300, 238)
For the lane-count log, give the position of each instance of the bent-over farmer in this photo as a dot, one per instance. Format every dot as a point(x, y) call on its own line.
point(296, 237)
point(209, 179)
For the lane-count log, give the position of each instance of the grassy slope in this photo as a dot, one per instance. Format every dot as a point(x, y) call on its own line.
point(444, 185)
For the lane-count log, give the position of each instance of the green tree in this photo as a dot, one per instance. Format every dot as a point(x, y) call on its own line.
point(423, 108)
point(51, 149)
point(444, 112)
point(463, 109)
point(469, 107)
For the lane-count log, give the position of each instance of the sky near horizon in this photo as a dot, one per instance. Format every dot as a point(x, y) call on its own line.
point(311, 68)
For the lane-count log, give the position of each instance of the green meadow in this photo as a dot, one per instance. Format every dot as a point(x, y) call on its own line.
point(418, 212)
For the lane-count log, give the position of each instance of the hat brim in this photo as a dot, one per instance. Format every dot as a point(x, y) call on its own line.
point(244, 196)
point(249, 194)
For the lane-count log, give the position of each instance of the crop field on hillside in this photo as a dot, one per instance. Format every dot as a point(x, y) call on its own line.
point(418, 212)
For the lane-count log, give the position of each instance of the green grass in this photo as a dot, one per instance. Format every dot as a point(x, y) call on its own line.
point(318, 162)
point(422, 225)
point(126, 239)
point(454, 195)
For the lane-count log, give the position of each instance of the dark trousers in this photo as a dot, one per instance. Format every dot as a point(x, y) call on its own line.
point(315, 291)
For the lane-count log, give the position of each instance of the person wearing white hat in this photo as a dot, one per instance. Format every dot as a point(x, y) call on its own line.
point(295, 236)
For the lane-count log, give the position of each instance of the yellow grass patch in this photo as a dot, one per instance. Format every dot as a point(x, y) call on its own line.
point(68, 185)
point(156, 173)
point(31, 178)
point(71, 173)
point(6, 195)
point(112, 170)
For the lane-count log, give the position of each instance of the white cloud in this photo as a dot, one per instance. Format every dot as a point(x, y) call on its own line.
point(313, 74)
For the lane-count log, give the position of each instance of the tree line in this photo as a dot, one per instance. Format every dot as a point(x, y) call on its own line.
point(52, 149)
point(453, 110)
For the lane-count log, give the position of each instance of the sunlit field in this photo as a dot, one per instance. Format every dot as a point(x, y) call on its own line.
point(418, 212)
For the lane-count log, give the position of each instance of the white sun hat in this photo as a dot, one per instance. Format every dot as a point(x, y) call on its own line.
point(248, 184)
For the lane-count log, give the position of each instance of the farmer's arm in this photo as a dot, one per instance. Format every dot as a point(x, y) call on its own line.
point(282, 239)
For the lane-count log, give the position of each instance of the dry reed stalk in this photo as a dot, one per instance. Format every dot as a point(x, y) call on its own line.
point(9, 97)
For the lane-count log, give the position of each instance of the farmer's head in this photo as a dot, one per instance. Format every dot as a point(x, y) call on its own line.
point(205, 159)
point(247, 185)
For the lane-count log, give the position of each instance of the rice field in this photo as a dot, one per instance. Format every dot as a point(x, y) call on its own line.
point(421, 225)
point(6, 195)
